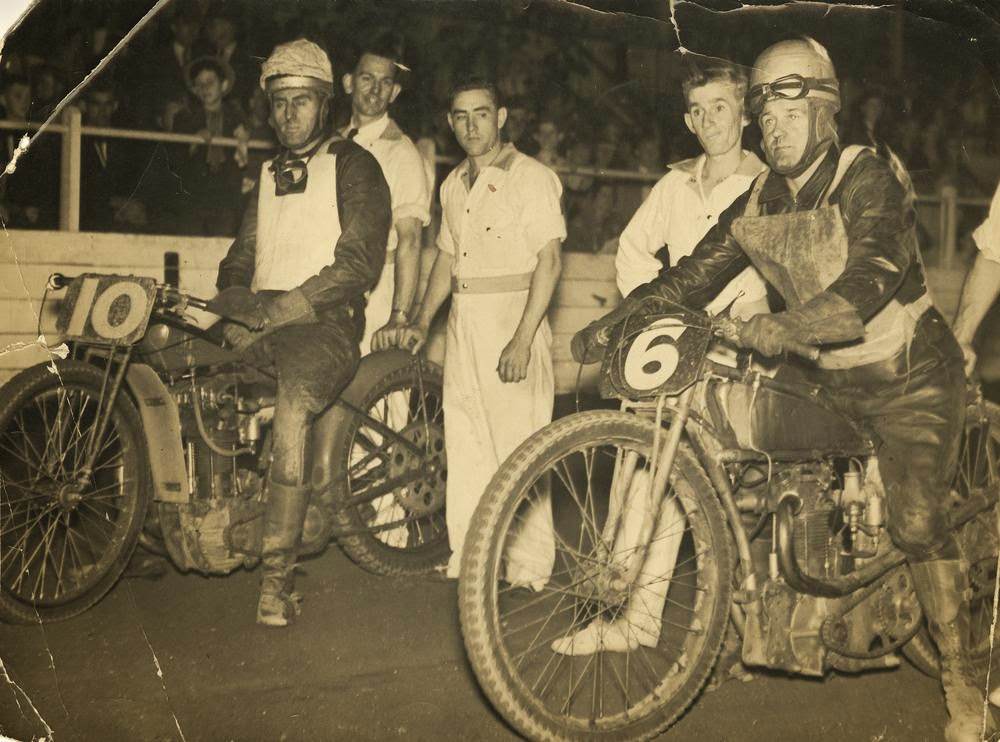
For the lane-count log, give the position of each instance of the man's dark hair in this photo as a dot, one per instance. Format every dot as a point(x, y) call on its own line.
point(207, 63)
point(699, 72)
point(475, 82)
point(387, 44)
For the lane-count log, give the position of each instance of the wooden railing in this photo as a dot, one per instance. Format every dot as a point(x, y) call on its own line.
point(72, 130)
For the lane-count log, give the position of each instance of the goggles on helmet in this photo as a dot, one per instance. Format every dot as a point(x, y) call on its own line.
point(789, 87)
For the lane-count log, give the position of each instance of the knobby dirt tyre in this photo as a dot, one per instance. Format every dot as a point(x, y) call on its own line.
point(489, 634)
point(64, 543)
point(382, 384)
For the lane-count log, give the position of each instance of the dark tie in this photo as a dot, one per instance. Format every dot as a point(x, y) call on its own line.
point(352, 133)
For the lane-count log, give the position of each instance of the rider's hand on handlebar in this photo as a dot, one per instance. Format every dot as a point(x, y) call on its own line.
point(238, 337)
point(773, 334)
point(589, 344)
point(239, 304)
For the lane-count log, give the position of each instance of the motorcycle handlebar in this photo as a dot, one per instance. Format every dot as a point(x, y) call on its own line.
point(166, 293)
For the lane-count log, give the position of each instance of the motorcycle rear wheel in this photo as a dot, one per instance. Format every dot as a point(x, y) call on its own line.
point(388, 388)
point(977, 465)
point(65, 538)
point(511, 632)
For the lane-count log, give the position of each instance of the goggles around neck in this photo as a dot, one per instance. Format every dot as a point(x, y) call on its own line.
point(789, 87)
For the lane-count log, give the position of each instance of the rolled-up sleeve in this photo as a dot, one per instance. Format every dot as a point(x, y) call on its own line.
point(540, 194)
point(987, 234)
point(408, 184)
point(636, 262)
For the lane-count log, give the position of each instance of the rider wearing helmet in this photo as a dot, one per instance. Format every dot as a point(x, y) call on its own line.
point(311, 243)
point(832, 230)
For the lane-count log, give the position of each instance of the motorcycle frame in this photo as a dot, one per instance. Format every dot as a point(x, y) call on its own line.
point(714, 455)
point(160, 417)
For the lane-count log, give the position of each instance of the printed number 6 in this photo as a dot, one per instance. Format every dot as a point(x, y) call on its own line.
point(100, 314)
point(662, 359)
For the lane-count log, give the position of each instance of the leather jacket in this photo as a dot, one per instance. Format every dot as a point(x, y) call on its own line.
point(882, 260)
point(363, 205)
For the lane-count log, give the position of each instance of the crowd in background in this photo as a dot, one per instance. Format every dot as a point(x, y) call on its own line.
point(194, 70)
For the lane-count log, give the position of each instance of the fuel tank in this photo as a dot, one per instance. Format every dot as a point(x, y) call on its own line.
point(168, 347)
point(775, 419)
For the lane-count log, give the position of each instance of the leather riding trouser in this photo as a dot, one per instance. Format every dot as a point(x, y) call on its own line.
point(914, 403)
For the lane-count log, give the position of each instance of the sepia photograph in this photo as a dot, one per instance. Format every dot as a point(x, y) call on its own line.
point(499, 369)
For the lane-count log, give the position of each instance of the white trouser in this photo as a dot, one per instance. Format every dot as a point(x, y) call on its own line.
point(486, 419)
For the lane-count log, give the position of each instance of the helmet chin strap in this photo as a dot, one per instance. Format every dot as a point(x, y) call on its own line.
point(822, 134)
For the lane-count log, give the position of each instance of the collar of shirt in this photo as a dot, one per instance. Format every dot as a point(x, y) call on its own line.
point(776, 189)
point(370, 132)
point(750, 166)
point(503, 161)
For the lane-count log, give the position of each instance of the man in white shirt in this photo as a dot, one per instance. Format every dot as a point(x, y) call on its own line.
point(373, 85)
point(982, 285)
point(687, 201)
point(681, 208)
point(498, 259)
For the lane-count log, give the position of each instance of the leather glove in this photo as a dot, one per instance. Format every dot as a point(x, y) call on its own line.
point(826, 318)
point(287, 308)
point(589, 344)
point(238, 337)
point(239, 304)
point(772, 334)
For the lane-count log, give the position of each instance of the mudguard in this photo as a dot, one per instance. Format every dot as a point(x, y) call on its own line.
point(161, 425)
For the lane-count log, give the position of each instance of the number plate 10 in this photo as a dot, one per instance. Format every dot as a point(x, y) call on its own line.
point(106, 310)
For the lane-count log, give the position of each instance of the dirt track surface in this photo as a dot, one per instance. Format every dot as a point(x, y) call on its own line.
point(370, 659)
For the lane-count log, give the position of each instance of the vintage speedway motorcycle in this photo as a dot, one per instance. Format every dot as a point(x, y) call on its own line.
point(151, 432)
point(715, 494)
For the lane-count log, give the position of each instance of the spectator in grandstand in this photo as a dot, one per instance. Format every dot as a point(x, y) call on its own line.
point(29, 196)
point(110, 170)
point(548, 137)
point(209, 190)
point(221, 34)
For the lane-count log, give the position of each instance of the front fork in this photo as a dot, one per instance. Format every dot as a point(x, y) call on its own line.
point(643, 501)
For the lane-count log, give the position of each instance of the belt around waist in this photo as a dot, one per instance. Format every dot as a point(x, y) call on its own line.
point(491, 284)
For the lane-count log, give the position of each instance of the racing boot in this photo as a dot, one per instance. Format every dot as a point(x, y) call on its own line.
point(942, 587)
point(283, 520)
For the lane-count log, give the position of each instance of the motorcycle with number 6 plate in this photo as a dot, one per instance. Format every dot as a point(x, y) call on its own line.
point(152, 432)
point(718, 505)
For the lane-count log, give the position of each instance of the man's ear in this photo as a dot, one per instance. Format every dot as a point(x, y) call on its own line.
point(688, 122)
point(501, 117)
point(227, 85)
point(396, 90)
point(451, 123)
point(348, 82)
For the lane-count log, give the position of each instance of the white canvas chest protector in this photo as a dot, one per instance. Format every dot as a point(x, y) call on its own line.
point(296, 232)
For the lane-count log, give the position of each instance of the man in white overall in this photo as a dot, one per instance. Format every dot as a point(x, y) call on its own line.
point(373, 86)
point(681, 208)
point(498, 259)
point(982, 285)
point(311, 245)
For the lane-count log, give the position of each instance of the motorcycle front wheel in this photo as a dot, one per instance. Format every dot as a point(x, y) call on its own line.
point(978, 467)
point(389, 501)
point(574, 650)
point(66, 534)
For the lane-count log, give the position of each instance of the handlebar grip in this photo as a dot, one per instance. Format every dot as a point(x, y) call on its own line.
point(58, 281)
point(801, 349)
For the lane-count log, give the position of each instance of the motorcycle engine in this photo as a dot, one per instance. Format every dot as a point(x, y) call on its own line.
point(832, 530)
point(221, 428)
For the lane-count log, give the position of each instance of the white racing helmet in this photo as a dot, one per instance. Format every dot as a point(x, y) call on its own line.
point(297, 64)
